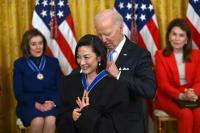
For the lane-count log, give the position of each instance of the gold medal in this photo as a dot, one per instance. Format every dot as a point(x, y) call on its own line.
point(37, 69)
point(40, 76)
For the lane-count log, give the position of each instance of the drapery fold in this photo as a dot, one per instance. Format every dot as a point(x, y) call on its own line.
point(15, 19)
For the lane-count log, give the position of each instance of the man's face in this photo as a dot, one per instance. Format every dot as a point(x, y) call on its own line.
point(111, 34)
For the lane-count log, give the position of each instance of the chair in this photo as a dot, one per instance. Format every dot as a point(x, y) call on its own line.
point(162, 118)
point(21, 127)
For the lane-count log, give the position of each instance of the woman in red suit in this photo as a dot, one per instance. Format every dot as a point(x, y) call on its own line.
point(177, 70)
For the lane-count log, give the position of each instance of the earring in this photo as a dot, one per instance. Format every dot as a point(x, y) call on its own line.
point(99, 63)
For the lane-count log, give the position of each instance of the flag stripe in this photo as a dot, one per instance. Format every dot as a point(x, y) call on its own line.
point(126, 30)
point(66, 50)
point(53, 19)
point(193, 20)
point(141, 14)
point(148, 40)
point(153, 28)
point(141, 41)
point(64, 63)
point(53, 46)
point(71, 25)
point(193, 17)
point(194, 46)
point(195, 33)
point(68, 35)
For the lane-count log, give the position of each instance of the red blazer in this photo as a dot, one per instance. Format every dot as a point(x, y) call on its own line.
point(167, 76)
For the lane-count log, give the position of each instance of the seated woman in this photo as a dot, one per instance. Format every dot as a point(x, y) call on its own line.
point(91, 101)
point(35, 80)
point(178, 77)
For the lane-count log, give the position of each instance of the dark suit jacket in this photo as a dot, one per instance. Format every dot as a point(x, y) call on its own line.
point(136, 74)
point(103, 115)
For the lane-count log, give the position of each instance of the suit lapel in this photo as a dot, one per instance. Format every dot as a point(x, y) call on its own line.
point(189, 67)
point(122, 55)
point(173, 68)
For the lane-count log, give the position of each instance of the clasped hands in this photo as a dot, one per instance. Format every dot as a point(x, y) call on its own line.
point(189, 95)
point(82, 103)
point(46, 106)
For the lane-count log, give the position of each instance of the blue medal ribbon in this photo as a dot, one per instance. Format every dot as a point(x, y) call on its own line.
point(34, 67)
point(98, 78)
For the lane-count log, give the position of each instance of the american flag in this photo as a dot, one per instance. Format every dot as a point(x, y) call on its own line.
point(140, 23)
point(53, 19)
point(193, 19)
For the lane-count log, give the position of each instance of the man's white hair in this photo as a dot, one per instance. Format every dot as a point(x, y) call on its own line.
point(115, 17)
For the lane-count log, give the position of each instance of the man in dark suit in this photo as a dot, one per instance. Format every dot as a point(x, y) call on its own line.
point(131, 65)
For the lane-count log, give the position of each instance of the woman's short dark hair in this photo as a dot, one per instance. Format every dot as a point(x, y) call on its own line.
point(97, 46)
point(28, 35)
point(187, 48)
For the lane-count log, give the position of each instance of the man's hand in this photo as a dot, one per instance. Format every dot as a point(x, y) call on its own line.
point(112, 69)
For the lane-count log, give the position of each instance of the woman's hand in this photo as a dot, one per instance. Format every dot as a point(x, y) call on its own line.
point(188, 95)
point(191, 95)
point(39, 107)
point(46, 106)
point(81, 103)
point(84, 101)
point(76, 114)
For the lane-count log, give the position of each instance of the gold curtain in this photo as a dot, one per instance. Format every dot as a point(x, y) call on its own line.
point(15, 18)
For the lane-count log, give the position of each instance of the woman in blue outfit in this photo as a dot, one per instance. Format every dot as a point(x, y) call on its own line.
point(92, 101)
point(35, 80)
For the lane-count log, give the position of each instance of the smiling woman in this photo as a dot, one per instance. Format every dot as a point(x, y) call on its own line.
point(86, 96)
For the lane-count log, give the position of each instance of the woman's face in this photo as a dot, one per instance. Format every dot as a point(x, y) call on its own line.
point(36, 45)
point(177, 38)
point(87, 60)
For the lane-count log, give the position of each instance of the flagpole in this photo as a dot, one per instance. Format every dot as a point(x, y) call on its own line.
point(133, 30)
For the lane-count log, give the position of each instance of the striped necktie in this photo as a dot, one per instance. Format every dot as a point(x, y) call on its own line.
point(110, 55)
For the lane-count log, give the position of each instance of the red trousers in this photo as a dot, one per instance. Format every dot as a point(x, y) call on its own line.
point(188, 118)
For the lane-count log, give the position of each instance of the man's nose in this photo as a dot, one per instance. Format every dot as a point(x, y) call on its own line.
point(103, 38)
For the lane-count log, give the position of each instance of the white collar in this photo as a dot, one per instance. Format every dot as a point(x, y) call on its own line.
point(121, 44)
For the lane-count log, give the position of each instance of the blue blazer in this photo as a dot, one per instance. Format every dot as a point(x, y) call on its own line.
point(28, 89)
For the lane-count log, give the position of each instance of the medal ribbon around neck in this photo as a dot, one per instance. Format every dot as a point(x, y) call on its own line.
point(98, 78)
point(34, 67)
